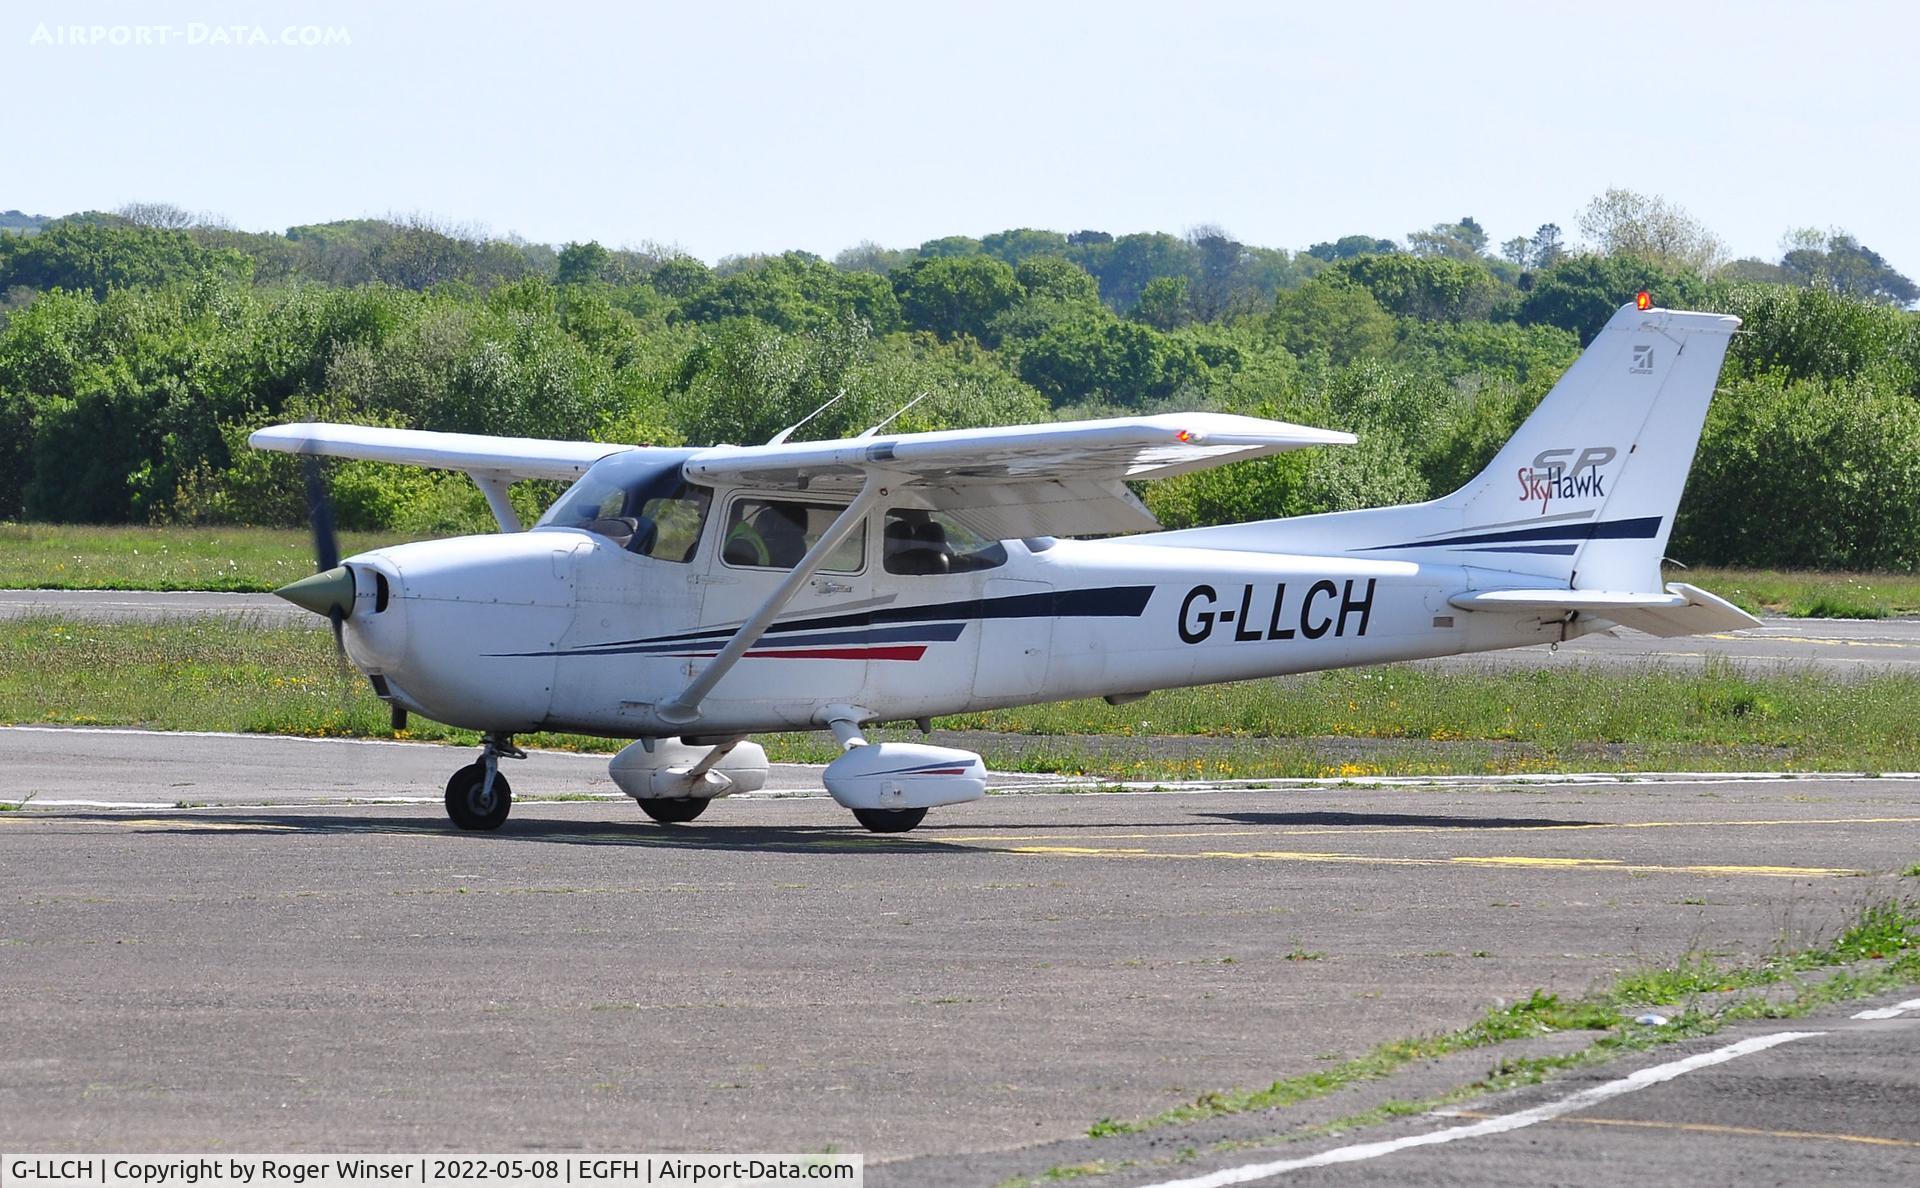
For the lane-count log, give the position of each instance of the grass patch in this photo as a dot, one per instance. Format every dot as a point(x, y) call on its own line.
point(1885, 932)
point(220, 674)
point(1810, 594)
point(1491, 721)
point(226, 559)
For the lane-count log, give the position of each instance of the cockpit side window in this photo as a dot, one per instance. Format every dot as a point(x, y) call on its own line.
point(644, 506)
point(669, 525)
point(776, 534)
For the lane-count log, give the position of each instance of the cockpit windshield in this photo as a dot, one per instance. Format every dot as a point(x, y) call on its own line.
point(640, 501)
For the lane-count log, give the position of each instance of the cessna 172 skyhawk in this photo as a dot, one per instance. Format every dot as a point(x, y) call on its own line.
point(691, 597)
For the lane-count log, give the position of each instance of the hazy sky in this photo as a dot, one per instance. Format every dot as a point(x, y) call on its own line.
point(730, 127)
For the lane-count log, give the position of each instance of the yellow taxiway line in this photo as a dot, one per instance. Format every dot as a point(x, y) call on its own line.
point(1489, 860)
point(1465, 827)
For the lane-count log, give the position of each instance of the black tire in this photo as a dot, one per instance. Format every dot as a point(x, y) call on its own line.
point(463, 798)
point(674, 810)
point(890, 820)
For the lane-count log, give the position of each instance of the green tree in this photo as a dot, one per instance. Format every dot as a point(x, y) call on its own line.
point(1333, 315)
point(681, 276)
point(1648, 227)
point(96, 257)
point(583, 262)
point(868, 256)
point(1838, 262)
point(1433, 288)
point(1164, 303)
point(1805, 473)
point(1050, 278)
point(952, 245)
point(744, 381)
point(1818, 334)
point(1464, 240)
point(1580, 293)
point(954, 295)
point(1349, 246)
point(1126, 266)
point(1023, 243)
point(795, 291)
point(1099, 357)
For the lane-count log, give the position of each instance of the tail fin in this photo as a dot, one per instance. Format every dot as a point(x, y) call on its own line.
point(1595, 474)
point(1582, 495)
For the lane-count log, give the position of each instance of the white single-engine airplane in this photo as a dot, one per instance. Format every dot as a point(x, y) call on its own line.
point(691, 597)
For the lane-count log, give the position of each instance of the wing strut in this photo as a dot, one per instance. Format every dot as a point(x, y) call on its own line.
point(685, 708)
point(495, 487)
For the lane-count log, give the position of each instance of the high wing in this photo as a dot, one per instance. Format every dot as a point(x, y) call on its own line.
point(477, 454)
point(1066, 479)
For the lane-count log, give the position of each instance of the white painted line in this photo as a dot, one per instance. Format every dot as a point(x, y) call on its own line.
point(143, 805)
point(1039, 785)
point(1892, 1012)
point(292, 738)
point(1645, 1078)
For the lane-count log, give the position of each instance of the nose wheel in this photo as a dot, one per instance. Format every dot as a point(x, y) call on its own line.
point(478, 796)
point(473, 803)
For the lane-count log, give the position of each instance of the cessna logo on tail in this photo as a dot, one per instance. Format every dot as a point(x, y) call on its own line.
point(1551, 477)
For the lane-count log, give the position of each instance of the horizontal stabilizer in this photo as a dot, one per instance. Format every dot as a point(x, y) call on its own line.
point(1682, 610)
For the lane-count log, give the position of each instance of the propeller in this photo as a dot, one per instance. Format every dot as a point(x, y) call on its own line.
point(326, 544)
point(330, 590)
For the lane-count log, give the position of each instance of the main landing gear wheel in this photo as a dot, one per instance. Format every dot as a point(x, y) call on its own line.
point(890, 820)
point(674, 810)
point(473, 805)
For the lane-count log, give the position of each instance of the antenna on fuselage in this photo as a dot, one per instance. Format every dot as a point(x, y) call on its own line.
point(781, 436)
point(894, 415)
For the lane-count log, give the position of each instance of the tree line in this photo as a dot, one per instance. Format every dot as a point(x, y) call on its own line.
point(139, 348)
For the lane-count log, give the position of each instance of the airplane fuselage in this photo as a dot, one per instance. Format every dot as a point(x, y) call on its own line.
point(565, 630)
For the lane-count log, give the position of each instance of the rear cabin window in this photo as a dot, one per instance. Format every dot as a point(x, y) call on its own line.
point(776, 533)
point(917, 542)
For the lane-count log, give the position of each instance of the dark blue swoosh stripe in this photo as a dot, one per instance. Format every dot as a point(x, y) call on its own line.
point(940, 622)
point(1557, 550)
point(921, 633)
point(1106, 602)
point(1642, 528)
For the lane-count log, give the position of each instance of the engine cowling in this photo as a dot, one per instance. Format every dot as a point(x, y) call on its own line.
point(667, 771)
point(900, 775)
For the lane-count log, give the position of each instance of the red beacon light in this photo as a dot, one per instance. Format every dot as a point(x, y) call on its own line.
point(1183, 436)
point(1643, 300)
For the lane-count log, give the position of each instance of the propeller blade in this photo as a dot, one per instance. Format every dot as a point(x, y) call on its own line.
point(326, 557)
point(326, 543)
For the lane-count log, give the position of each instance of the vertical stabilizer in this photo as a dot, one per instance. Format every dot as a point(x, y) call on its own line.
point(1595, 474)
point(1582, 496)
